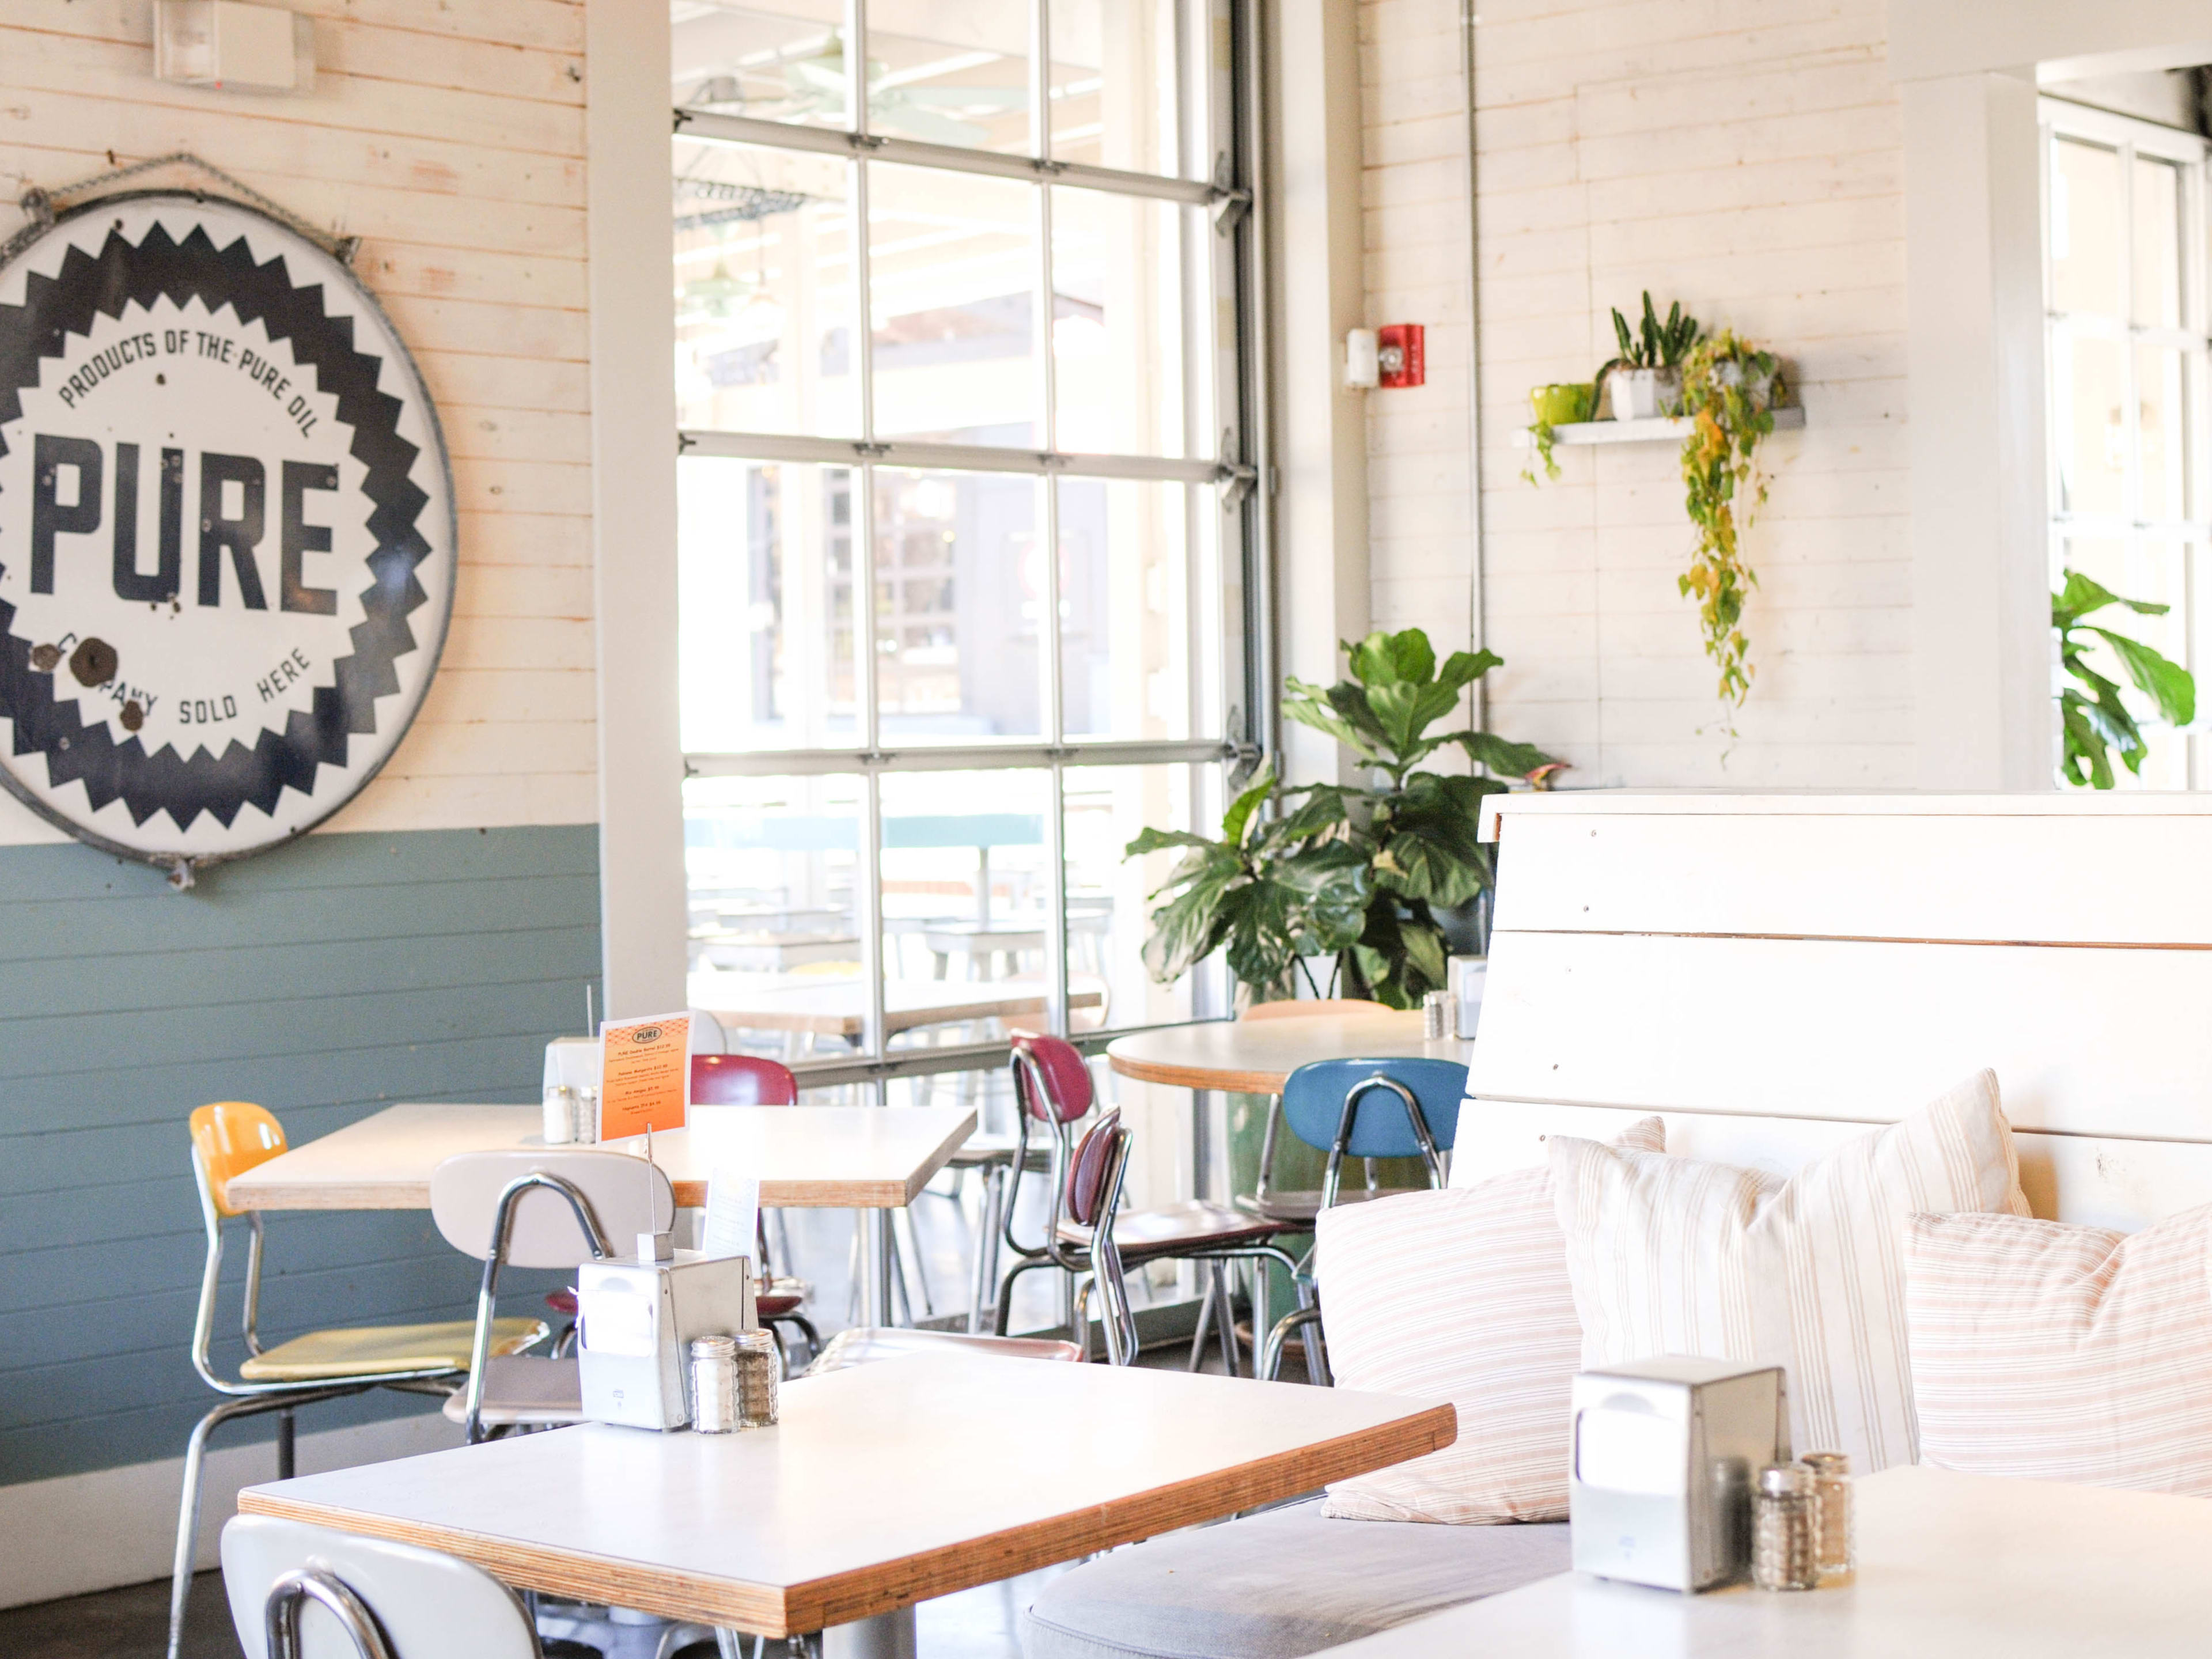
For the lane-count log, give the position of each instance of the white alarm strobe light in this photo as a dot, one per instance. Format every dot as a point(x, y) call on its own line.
point(1363, 360)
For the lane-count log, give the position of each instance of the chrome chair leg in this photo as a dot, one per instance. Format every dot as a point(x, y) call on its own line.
point(988, 1203)
point(1205, 1318)
point(188, 1508)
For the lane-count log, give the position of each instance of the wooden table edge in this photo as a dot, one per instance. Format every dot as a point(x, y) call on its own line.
point(1185, 1077)
point(886, 1587)
point(244, 1195)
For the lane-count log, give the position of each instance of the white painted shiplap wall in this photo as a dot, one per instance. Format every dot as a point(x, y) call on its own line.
point(450, 137)
point(1746, 158)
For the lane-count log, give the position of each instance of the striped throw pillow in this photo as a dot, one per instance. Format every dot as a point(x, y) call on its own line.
point(1462, 1295)
point(1672, 1256)
point(2054, 1353)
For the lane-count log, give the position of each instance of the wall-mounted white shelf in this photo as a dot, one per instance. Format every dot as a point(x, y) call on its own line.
point(1671, 428)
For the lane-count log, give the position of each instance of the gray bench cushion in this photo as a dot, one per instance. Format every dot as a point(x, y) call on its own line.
point(1275, 1585)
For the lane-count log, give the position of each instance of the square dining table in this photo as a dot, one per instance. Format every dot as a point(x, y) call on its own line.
point(883, 1486)
point(870, 1159)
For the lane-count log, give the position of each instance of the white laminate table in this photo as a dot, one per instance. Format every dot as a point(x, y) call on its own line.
point(1951, 1566)
point(884, 1485)
point(860, 1158)
point(873, 1159)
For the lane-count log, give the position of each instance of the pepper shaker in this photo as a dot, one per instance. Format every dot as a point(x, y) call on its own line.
point(760, 1368)
point(1833, 1544)
point(1784, 1555)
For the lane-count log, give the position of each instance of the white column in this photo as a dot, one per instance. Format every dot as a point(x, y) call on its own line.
point(633, 336)
point(1981, 652)
point(1321, 576)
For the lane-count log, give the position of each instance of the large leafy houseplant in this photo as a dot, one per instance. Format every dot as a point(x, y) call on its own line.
point(1337, 871)
point(2095, 721)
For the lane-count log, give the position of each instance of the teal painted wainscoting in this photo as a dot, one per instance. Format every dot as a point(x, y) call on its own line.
point(323, 982)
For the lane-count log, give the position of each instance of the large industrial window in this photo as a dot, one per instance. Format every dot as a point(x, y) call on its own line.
point(964, 495)
point(2125, 285)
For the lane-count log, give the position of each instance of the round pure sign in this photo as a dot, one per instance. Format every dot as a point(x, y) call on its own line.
point(227, 537)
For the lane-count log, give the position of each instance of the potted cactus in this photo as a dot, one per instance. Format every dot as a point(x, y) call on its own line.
point(1646, 378)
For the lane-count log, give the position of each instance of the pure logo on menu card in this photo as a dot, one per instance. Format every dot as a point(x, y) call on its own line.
point(645, 1066)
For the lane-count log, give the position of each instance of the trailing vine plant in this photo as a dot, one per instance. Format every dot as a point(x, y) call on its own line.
point(1729, 389)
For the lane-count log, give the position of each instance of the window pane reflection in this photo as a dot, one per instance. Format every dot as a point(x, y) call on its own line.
point(952, 273)
point(955, 75)
point(2086, 233)
point(764, 308)
point(1126, 582)
point(2160, 405)
point(772, 60)
point(1107, 806)
point(764, 569)
point(2093, 436)
point(771, 864)
point(1118, 355)
point(966, 884)
point(959, 601)
point(1112, 84)
point(2158, 243)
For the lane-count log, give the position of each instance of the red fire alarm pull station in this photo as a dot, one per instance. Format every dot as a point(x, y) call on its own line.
point(1402, 357)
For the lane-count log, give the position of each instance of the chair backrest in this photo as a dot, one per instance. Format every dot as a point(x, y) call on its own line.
point(1296, 1010)
point(741, 1080)
point(706, 1035)
point(627, 1196)
point(1050, 1077)
point(231, 1137)
point(1313, 1097)
point(1091, 1171)
point(424, 1605)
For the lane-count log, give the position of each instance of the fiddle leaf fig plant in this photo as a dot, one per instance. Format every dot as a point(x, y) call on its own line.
point(1337, 871)
point(2096, 721)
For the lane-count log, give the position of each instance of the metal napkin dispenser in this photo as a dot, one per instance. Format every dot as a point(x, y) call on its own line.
point(636, 1320)
point(1665, 1454)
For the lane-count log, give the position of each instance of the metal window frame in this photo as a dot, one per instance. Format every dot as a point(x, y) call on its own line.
point(2129, 137)
point(1237, 398)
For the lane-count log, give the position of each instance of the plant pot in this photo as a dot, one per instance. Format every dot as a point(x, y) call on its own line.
point(1758, 388)
point(1563, 404)
point(1635, 393)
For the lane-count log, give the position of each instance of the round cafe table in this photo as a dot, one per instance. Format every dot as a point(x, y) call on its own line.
point(1253, 1056)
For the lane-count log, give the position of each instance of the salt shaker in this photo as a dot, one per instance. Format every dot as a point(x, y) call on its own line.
point(559, 1114)
point(760, 1368)
point(1833, 1543)
point(587, 1116)
point(1436, 1011)
point(714, 1384)
point(1783, 1549)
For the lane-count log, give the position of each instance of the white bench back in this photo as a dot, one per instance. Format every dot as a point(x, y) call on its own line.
point(1774, 973)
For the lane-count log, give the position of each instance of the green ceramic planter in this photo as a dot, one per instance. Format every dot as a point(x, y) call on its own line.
point(1563, 405)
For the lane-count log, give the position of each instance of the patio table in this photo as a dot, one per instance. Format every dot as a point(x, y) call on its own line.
point(883, 1486)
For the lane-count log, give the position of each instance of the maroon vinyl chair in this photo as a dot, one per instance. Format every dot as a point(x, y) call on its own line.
point(1089, 1192)
point(1053, 1090)
point(751, 1080)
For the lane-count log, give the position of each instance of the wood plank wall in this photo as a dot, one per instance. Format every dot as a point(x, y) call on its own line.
point(450, 137)
point(323, 980)
point(1749, 162)
point(429, 959)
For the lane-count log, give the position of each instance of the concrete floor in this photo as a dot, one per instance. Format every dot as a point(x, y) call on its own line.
point(129, 1623)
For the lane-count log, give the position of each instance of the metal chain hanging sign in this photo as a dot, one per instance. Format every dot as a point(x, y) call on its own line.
point(227, 532)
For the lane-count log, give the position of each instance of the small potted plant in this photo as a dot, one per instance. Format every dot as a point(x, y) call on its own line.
point(1556, 406)
point(1646, 378)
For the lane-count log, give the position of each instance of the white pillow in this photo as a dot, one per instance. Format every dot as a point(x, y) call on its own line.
point(1461, 1294)
point(1674, 1255)
point(2052, 1353)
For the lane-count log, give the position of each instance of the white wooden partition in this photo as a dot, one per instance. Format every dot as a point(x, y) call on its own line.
point(1774, 973)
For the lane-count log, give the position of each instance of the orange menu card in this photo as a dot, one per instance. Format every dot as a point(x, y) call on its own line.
point(644, 1075)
